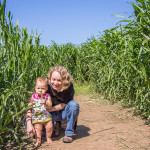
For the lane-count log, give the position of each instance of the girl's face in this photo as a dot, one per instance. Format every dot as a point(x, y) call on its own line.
point(56, 81)
point(41, 88)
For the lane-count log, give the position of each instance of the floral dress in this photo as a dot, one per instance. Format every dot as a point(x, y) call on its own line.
point(39, 112)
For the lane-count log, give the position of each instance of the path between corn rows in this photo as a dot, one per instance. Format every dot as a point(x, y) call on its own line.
point(102, 126)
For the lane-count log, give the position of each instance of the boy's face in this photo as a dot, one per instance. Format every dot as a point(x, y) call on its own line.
point(41, 88)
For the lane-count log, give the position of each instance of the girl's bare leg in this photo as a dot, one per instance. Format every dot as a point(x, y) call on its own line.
point(49, 129)
point(38, 129)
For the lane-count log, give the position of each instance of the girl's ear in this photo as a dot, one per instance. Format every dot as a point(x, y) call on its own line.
point(46, 88)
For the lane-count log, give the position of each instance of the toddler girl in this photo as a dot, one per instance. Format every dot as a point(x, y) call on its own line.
point(40, 101)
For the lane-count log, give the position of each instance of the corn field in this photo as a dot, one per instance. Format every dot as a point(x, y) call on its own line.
point(117, 63)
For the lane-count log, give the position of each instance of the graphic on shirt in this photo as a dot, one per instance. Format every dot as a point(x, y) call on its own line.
point(39, 112)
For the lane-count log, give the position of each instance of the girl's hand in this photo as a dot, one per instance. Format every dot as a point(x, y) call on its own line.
point(43, 101)
point(30, 130)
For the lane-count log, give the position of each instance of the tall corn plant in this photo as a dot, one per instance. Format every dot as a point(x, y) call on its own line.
point(65, 55)
point(142, 21)
point(119, 61)
point(20, 66)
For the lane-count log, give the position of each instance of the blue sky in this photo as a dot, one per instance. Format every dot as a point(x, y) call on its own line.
point(64, 21)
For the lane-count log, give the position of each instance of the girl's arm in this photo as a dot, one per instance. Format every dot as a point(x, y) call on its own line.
point(30, 128)
point(48, 103)
point(29, 111)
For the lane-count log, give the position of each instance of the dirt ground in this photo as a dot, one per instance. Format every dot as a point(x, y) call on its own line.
point(102, 126)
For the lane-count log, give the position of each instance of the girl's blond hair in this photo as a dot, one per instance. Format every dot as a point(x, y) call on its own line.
point(41, 79)
point(65, 76)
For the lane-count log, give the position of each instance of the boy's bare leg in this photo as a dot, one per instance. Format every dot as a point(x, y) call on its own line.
point(38, 129)
point(49, 130)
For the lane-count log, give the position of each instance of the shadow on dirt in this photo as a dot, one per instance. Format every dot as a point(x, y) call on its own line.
point(81, 131)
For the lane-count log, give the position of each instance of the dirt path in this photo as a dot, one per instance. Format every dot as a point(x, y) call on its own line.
point(102, 126)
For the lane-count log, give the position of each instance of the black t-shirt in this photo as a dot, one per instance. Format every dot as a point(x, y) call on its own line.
point(61, 97)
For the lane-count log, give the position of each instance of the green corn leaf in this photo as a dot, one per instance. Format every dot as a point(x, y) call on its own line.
point(42, 95)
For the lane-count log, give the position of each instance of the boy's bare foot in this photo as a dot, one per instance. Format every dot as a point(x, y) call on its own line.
point(37, 144)
point(49, 140)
